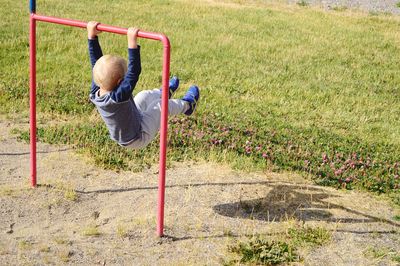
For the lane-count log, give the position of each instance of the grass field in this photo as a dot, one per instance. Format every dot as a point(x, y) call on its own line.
point(283, 88)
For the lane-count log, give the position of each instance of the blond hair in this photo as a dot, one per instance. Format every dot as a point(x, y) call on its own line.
point(108, 71)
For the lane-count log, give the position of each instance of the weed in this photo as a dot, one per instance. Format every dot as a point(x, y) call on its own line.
point(339, 8)
point(396, 258)
point(121, 231)
point(396, 217)
point(24, 245)
point(44, 248)
point(65, 255)
point(3, 250)
point(398, 4)
point(91, 230)
point(301, 235)
point(61, 240)
point(46, 259)
point(382, 253)
point(261, 251)
point(6, 191)
point(228, 232)
point(302, 3)
point(374, 13)
point(71, 195)
point(283, 248)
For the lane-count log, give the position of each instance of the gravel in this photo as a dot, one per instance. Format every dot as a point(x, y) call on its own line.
point(372, 6)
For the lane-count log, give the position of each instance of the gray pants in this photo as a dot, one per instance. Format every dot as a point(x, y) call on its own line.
point(149, 104)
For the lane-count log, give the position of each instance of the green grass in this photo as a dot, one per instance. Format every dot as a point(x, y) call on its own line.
point(284, 89)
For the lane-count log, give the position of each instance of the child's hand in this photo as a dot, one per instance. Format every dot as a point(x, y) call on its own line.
point(92, 29)
point(132, 37)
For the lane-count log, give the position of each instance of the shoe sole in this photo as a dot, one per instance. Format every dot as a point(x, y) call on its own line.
point(196, 102)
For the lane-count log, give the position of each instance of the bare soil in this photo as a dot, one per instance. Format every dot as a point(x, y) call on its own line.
point(80, 214)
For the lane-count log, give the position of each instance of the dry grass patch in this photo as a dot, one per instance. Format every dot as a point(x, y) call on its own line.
point(44, 249)
point(24, 245)
point(91, 230)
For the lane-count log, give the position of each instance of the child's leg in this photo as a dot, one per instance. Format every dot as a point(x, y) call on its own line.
point(152, 116)
point(144, 98)
point(151, 120)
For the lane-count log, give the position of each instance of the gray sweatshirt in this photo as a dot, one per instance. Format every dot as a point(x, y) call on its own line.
point(117, 107)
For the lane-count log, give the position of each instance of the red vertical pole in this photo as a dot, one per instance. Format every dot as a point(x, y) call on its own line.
point(163, 136)
point(32, 95)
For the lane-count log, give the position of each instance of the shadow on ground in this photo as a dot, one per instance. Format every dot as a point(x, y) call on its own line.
point(304, 203)
point(282, 202)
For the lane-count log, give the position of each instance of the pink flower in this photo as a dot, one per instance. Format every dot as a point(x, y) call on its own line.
point(325, 158)
point(338, 172)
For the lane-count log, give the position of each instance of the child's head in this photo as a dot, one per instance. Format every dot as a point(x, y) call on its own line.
point(108, 71)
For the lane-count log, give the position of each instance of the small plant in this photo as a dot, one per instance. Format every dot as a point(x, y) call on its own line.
point(396, 258)
point(396, 217)
point(3, 250)
point(6, 191)
point(382, 253)
point(261, 251)
point(302, 3)
point(398, 4)
point(44, 248)
point(228, 232)
point(70, 194)
point(24, 245)
point(61, 240)
point(339, 8)
point(91, 230)
point(65, 255)
point(307, 235)
point(121, 231)
point(374, 13)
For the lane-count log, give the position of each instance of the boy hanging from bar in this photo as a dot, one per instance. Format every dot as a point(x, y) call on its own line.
point(131, 121)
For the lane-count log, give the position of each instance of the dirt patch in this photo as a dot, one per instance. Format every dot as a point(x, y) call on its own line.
point(81, 214)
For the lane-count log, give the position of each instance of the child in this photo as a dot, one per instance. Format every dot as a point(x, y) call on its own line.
point(132, 122)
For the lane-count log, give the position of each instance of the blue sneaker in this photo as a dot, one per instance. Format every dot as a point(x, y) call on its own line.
point(192, 96)
point(173, 86)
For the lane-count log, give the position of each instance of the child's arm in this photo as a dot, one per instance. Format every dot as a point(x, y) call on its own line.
point(124, 91)
point(94, 48)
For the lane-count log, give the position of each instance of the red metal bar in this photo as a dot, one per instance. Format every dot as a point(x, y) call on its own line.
point(164, 101)
point(163, 139)
point(32, 96)
point(101, 27)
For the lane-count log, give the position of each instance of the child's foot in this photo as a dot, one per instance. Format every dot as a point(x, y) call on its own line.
point(173, 86)
point(191, 96)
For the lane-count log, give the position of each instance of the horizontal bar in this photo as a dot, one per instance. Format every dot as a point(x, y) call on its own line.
point(102, 27)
